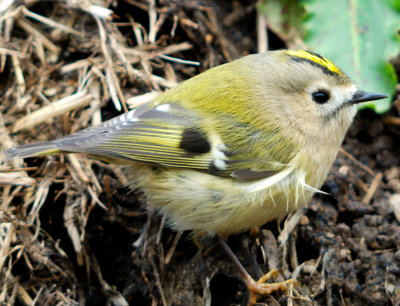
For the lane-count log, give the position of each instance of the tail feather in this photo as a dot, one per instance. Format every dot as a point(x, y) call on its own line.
point(31, 150)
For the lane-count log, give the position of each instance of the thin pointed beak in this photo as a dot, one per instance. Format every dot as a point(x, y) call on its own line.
point(363, 96)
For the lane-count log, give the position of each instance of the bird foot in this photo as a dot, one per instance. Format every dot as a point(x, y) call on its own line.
point(260, 287)
point(257, 287)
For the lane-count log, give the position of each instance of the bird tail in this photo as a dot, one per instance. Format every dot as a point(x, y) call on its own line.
point(31, 150)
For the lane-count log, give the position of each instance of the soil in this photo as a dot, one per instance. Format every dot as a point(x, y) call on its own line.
point(344, 248)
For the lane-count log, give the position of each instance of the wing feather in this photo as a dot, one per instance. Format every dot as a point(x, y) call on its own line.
point(167, 135)
point(145, 134)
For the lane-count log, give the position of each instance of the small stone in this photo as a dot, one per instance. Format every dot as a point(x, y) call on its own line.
point(397, 255)
point(330, 235)
point(343, 228)
point(344, 254)
point(394, 201)
point(343, 171)
point(304, 220)
point(308, 268)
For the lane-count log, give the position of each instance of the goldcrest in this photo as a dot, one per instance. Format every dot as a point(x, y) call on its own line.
point(232, 148)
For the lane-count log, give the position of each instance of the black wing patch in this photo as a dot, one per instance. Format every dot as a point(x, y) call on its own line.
point(194, 141)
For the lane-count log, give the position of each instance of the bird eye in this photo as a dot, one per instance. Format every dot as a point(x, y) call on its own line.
point(320, 96)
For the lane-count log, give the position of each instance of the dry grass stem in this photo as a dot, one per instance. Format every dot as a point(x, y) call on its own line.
point(158, 283)
point(49, 22)
point(8, 231)
point(39, 36)
point(358, 163)
point(171, 250)
point(262, 34)
point(142, 99)
point(73, 231)
point(14, 53)
point(19, 76)
point(77, 168)
point(289, 226)
point(78, 100)
point(16, 178)
point(372, 188)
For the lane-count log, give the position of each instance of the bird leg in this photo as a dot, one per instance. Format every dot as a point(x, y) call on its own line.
point(256, 287)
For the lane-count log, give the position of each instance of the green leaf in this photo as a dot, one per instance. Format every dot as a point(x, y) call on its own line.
point(359, 36)
point(284, 18)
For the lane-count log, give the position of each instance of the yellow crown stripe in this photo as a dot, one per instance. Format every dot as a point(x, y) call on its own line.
point(316, 58)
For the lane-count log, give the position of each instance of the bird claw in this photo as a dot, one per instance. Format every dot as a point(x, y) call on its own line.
point(260, 287)
point(257, 287)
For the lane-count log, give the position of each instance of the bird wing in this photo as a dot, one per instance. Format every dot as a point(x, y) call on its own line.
point(167, 135)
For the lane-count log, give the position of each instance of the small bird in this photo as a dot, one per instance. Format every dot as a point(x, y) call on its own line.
point(236, 146)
